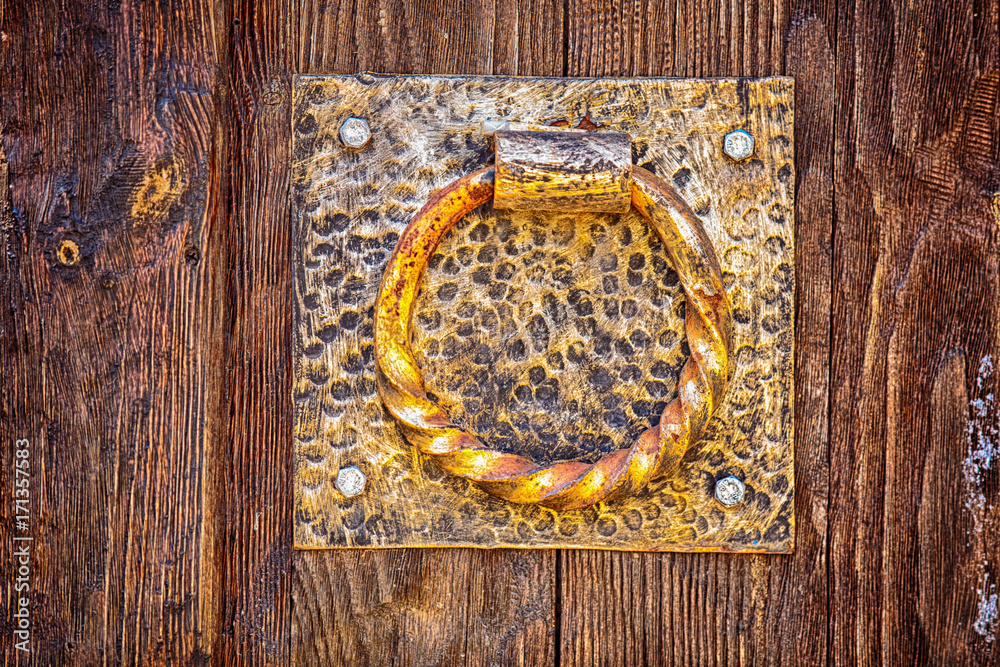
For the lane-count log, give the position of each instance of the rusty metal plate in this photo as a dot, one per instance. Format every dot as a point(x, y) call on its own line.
point(556, 336)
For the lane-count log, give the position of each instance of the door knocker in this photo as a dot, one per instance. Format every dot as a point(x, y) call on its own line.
point(569, 172)
point(543, 313)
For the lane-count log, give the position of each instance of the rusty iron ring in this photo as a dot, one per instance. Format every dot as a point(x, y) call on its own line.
point(568, 485)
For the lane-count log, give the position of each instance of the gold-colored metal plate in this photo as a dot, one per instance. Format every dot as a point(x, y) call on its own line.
point(556, 336)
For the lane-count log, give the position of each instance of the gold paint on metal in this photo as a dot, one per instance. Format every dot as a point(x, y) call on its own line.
point(556, 171)
point(518, 479)
point(559, 337)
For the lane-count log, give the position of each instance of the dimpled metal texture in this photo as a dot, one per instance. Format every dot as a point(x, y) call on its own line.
point(559, 337)
point(573, 484)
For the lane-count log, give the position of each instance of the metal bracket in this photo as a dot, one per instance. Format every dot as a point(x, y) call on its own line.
point(557, 336)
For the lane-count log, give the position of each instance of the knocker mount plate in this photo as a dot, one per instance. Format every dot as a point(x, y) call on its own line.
point(554, 338)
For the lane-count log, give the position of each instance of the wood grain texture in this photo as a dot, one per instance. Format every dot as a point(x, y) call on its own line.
point(118, 365)
point(915, 333)
point(110, 344)
point(517, 37)
point(424, 607)
point(705, 608)
point(252, 465)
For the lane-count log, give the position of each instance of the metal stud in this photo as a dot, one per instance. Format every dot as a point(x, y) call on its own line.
point(355, 133)
point(738, 145)
point(350, 481)
point(730, 491)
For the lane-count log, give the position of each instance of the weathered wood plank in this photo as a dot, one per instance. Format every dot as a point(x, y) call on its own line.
point(380, 36)
point(109, 342)
point(690, 609)
point(252, 467)
point(517, 37)
point(914, 494)
point(423, 607)
point(433, 606)
point(528, 38)
point(146, 361)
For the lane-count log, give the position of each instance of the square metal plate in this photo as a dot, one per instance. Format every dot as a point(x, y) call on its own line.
point(556, 336)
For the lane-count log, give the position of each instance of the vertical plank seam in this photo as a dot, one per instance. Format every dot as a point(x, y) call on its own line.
point(557, 608)
point(829, 350)
point(295, 67)
point(470, 626)
point(218, 503)
point(217, 217)
point(565, 37)
point(493, 42)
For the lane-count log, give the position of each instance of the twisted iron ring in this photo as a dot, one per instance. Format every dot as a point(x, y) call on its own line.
point(568, 485)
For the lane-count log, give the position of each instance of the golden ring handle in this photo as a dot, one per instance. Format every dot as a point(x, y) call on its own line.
point(571, 485)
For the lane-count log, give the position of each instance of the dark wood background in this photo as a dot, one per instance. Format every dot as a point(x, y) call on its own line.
point(150, 367)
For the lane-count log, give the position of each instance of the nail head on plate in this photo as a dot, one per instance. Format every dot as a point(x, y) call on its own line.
point(730, 491)
point(350, 481)
point(738, 145)
point(355, 133)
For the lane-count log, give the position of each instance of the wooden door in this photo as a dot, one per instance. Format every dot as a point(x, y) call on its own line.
point(146, 345)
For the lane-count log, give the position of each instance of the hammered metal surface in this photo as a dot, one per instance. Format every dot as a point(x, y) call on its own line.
point(556, 336)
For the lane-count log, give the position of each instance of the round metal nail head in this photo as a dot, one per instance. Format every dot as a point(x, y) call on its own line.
point(355, 133)
point(351, 481)
point(730, 491)
point(738, 145)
